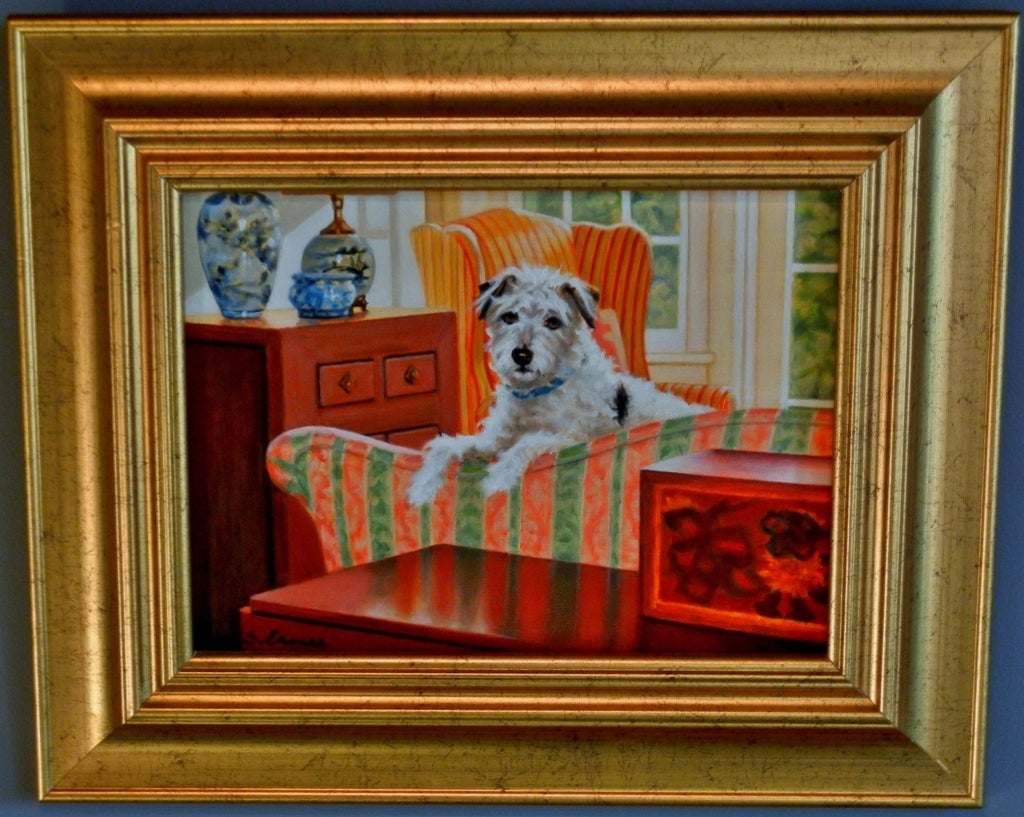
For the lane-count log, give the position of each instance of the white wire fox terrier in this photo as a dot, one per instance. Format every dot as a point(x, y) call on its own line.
point(557, 385)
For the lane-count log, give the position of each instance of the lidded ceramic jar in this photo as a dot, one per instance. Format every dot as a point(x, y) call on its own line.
point(337, 270)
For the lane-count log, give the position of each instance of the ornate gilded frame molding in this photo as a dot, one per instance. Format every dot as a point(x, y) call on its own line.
point(114, 119)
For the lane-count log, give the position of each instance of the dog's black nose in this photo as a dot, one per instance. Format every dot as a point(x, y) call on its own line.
point(522, 356)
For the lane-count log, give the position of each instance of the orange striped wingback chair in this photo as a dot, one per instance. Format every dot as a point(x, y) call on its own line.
point(455, 257)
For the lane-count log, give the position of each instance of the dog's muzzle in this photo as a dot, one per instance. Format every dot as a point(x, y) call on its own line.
point(522, 356)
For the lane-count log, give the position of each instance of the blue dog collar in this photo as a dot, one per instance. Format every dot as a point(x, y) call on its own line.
point(540, 391)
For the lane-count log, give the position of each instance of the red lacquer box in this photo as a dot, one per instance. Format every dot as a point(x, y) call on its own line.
point(738, 540)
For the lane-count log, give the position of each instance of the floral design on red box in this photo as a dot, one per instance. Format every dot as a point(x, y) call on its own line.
point(729, 544)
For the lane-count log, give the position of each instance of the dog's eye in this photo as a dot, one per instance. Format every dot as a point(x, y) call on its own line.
point(553, 322)
point(510, 317)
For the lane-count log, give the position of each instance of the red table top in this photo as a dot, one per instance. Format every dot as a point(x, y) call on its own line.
point(480, 599)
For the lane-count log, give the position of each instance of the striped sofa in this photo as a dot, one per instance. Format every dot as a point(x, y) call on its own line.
point(580, 504)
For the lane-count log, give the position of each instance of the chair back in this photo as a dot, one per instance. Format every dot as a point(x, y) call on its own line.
point(455, 257)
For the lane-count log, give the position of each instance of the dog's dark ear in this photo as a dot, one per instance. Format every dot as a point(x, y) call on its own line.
point(489, 290)
point(483, 303)
point(586, 304)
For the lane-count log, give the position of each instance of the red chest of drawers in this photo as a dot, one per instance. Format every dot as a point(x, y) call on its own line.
point(389, 373)
point(740, 541)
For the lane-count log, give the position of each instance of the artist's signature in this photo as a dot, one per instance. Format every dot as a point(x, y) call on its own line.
point(275, 639)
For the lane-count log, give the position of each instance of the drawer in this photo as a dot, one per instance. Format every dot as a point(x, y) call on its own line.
point(410, 374)
point(353, 381)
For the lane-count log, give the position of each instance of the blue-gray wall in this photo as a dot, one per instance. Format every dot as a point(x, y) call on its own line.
point(1005, 758)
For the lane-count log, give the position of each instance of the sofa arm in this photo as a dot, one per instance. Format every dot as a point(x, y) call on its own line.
point(580, 504)
point(719, 398)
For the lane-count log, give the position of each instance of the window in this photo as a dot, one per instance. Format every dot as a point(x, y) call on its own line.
point(812, 299)
point(660, 214)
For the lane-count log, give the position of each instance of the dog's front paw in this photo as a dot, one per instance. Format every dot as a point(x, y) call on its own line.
point(500, 477)
point(422, 489)
point(427, 481)
point(494, 483)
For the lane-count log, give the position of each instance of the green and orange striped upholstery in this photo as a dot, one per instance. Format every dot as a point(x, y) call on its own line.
point(455, 257)
point(579, 505)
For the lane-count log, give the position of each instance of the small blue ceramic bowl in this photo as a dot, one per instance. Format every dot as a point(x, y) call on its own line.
point(324, 295)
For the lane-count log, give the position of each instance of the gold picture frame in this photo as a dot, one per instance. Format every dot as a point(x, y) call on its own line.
point(115, 118)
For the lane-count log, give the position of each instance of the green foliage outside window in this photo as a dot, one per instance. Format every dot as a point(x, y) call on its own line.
point(816, 227)
point(812, 354)
point(656, 212)
point(546, 202)
point(663, 304)
point(597, 206)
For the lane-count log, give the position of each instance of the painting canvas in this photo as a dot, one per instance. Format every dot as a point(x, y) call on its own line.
point(702, 534)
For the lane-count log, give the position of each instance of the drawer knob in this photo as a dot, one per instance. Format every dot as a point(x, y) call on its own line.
point(347, 382)
point(412, 375)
